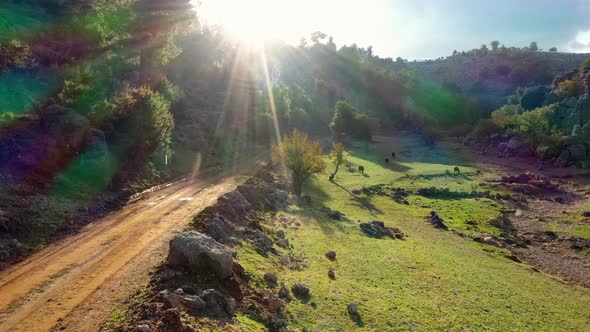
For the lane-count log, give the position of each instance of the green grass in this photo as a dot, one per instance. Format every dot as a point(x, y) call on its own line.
point(433, 280)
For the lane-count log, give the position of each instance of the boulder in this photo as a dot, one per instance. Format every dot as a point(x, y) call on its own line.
point(331, 274)
point(199, 251)
point(218, 230)
point(570, 102)
point(188, 302)
point(577, 152)
point(284, 293)
point(300, 291)
point(271, 278)
point(262, 243)
point(142, 328)
point(235, 199)
point(218, 304)
point(331, 255)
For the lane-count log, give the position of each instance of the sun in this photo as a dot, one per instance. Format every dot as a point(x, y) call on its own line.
point(254, 21)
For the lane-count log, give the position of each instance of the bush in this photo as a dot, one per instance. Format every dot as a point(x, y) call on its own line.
point(567, 88)
point(535, 126)
point(585, 63)
point(347, 121)
point(504, 116)
point(14, 54)
point(485, 128)
point(302, 156)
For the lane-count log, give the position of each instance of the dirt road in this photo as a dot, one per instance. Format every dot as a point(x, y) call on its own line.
point(73, 285)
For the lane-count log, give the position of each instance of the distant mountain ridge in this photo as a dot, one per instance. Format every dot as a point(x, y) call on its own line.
point(493, 76)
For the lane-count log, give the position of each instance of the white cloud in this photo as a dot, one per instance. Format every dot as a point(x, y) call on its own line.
point(581, 44)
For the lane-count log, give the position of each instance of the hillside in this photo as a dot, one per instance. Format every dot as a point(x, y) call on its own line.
point(475, 274)
point(181, 166)
point(494, 76)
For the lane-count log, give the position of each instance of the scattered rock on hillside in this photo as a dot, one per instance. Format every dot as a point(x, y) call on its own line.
point(191, 303)
point(142, 328)
point(331, 274)
point(284, 293)
point(437, 221)
point(331, 255)
point(300, 291)
point(377, 229)
point(336, 215)
point(217, 304)
point(262, 244)
point(200, 251)
point(271, 278)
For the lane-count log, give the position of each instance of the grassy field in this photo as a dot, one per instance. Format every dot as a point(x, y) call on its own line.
point(432, 280)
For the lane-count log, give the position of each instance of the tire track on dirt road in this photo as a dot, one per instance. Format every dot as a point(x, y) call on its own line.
point(74, 284)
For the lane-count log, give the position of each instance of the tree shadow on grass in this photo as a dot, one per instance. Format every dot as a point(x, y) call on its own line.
point(360, 201)
point(319, 196)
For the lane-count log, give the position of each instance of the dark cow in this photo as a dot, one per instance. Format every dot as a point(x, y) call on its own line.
point(362, 169)
point(387, 160)
point(393, 154)
point(457, 170)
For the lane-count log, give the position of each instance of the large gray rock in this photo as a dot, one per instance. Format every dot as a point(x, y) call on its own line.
point(235, 199)
point(570, 102)
point(200, 251)
point(577, 152)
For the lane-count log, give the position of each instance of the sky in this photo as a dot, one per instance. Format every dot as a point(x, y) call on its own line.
point(415, 29)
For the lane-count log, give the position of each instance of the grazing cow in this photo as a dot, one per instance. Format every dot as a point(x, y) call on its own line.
point(393, 154)
point(362, 169)
point(387, 160)
point(457, 170)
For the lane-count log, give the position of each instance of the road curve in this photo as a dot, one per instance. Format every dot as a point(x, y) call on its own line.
point(74, 284)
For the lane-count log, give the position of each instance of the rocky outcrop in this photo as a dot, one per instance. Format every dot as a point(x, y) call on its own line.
point(200, 251)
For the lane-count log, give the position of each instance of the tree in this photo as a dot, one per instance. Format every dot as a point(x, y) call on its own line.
point(483, 49)
point(495, 45)
point(14, 54)
point(343, 121)
point(338, 158)
point(302, 156)
point(533, 46)
point(553, 49)
point(534, 126)
point(317, 37)
point(302, 42)
point(567, 88)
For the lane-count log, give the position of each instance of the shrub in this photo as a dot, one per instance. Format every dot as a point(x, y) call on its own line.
point(485, 128)
point(585, 63)
point(14, 54)
point(504, 116)
point(302, 156)
point(347, 121)
point(567, 88)
point(534, 126)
